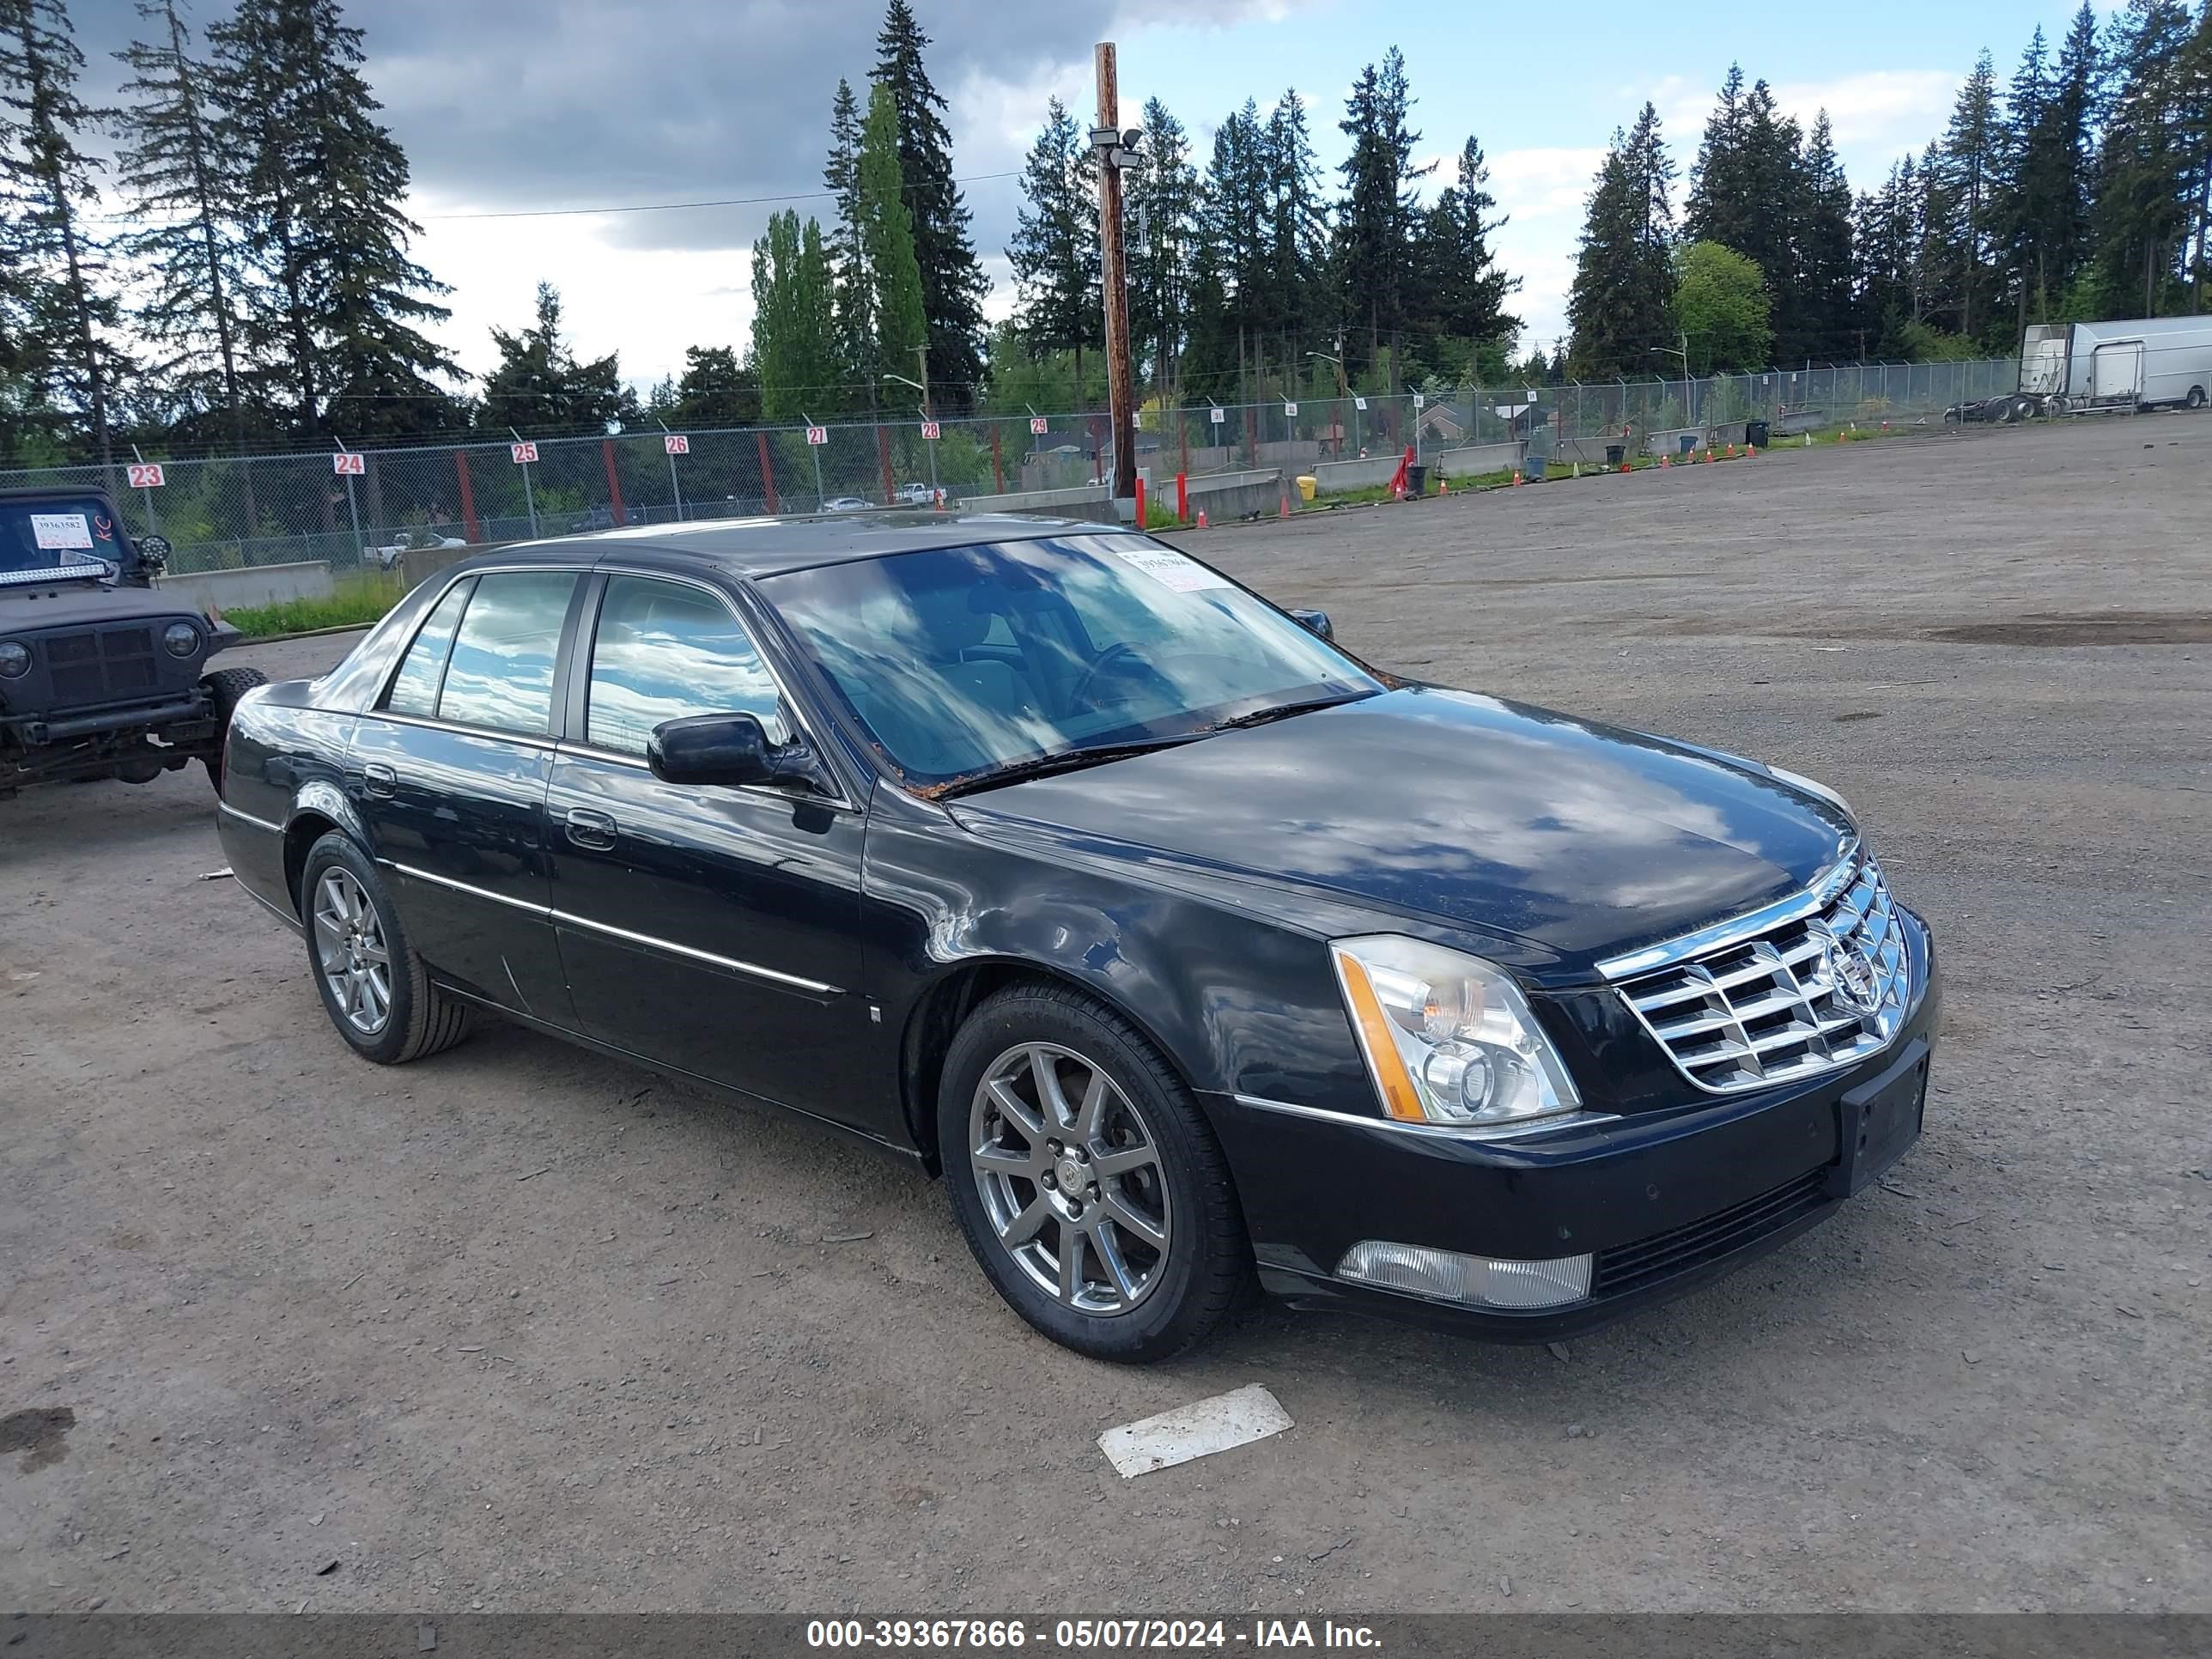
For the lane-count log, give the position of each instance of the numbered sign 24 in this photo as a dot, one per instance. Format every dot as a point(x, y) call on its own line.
point(523, 453)
point(349, 464)
point(146, 475)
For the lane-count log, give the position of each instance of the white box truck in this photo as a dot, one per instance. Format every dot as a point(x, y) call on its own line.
point(2141, 363)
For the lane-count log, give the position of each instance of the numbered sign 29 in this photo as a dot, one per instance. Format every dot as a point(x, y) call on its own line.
point(1039, 425)
point(349, 464)
point(146, 475)
point(929, 430)
point(675, 444)
point(523, 453)
point(818, 436)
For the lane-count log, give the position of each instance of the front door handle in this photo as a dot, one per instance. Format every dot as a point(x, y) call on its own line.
point(380, 779)
point(593, 830)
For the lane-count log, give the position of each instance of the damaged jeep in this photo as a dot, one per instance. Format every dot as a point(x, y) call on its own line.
point(102, 675)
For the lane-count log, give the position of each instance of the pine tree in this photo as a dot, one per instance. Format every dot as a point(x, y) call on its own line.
point(1295, 234)
point(848, 265)
point(1971, 161)
point(1823, 318)
point(1377, 219)
point(2144, 187)
point(794, 326)
point(340, 307)
point(540, 386)
point(1622, 304)
point(1751, 191)
point(1885, 248)
point(182, 174)
point(897, 298)
point(1717, 205)
point(1162, 195)
point(715, 391)
point(1233, 246)
point(1463, 290)
point(64, 314)
point(953, 284)
point(2075, 97)
point(1054, 253)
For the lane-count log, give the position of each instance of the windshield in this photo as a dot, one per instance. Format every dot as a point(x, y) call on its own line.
point(58, 536)
point(963, 661)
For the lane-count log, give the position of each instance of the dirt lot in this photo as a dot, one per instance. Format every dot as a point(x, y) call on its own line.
point(522, 1329)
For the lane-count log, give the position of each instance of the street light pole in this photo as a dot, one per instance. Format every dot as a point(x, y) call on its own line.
point(1343, 393)
point(1112, 154)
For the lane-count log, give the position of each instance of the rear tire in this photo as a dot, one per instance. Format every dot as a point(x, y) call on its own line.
point(2196, 397)
point(224, 687)
point(1110, 1159)
point(376, 990)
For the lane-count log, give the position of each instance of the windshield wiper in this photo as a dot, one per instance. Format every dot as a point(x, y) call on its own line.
point(1069, 760)
point(1284, 710)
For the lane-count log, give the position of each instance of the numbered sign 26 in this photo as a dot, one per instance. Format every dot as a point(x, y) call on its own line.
point(523, 453)
point(349, 464)
point(929, 430)
point(675, 444)
point(818, 436)
point(146, 475)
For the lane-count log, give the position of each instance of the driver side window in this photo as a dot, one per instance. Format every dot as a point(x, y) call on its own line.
point(664, 650)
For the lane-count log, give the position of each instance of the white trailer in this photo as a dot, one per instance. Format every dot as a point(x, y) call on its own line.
point(2137, 363)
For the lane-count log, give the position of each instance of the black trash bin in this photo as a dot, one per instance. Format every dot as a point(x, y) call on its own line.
point(1614, 455)
point(1417, 482)
point(1755, 433)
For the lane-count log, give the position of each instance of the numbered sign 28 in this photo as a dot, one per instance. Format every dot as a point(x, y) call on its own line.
point(818, 436)
point(675, 444)
point(349, 464)
point(929, 430)
point(523, 453)
point(1039, 425)
point(146, 475)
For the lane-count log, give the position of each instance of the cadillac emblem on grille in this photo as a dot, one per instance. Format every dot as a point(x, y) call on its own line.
point(1853, 975)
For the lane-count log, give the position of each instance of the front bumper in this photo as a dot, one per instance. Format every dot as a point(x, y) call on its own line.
point(1665, 1200)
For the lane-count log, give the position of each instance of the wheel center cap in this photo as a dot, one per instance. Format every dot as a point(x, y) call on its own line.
point(1072, 1176)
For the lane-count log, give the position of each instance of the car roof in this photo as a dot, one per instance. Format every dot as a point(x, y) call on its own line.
point(766, 547)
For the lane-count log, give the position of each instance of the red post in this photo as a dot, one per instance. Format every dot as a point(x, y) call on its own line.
point(470, 527)
point(1182, 498)
point(883, 455)
point(1140, 503)
point(998, 470)
point(768, 474)
point(614, 482)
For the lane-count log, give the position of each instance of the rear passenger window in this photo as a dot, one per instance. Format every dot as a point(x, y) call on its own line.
point(415, 688)
point(501, 671)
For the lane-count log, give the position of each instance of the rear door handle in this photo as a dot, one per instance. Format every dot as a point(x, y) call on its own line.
point(592, 829)
point(380, 779)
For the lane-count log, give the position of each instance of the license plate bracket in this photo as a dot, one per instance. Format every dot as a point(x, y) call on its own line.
point(1876, 1127)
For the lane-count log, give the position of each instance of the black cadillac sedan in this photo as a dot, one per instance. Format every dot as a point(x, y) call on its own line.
point(1178, 941)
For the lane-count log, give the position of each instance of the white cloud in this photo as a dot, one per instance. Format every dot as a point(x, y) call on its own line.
point(1879, 110)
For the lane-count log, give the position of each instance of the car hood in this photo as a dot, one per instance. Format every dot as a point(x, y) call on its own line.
point(85, 604)
point(1581, 839)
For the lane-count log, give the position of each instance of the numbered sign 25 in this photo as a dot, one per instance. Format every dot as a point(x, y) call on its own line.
point(146, 475)
point(523, 453)
point(349, 464)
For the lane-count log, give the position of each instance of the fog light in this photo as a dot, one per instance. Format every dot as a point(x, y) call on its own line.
point(1478, 1281)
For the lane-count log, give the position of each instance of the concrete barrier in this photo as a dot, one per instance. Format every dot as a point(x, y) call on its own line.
point(253, 585)
point(1084, 502)
point(1476, 458)
point(1225, 495)
point(1333, 477)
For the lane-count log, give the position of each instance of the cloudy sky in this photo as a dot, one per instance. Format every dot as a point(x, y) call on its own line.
point(541, 107)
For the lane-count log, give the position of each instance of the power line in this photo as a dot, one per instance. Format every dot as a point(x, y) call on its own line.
point(676, 207)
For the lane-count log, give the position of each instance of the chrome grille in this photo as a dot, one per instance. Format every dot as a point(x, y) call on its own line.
point(1817, 983)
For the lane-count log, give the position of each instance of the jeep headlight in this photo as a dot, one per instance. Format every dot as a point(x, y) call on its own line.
point(15, 659)
point(1447, 1037)
point(180, 638)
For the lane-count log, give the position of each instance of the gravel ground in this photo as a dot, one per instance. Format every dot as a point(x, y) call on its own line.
point(519, 1328)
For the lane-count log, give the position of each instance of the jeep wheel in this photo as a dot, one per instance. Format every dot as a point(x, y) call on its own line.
point(376, 990)
point(224, 687)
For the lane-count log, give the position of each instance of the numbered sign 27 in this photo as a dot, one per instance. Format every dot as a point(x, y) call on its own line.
point(818, 436)
point(349, 464)
point(929, 430)
point(675, 444)
point(146, 475)
point(523, 453)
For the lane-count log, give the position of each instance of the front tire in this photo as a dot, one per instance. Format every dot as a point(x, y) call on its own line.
point(376, 990)
point(1087, 1182)
point(225, 687)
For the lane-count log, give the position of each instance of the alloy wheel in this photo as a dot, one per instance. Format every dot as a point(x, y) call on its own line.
point(351, 951)
point(1071, 1178)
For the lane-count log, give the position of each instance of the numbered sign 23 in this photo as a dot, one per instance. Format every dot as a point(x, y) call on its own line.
point(523, 453)
point(146, 475)
point(349, 464)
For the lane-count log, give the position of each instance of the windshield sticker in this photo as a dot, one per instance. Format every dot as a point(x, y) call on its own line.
point(57, 533)
point(1164, 564)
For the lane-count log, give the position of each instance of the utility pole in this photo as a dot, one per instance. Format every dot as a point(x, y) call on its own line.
point(1115, 149)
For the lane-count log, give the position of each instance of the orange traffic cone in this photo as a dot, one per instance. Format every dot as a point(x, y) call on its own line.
point(1283, 505)
point(1729, 453)
point(1443, 484)
point(1624, 466)
point(1709, 453)
point(1748, 451)
point(1664, 461)
point(1201, 518)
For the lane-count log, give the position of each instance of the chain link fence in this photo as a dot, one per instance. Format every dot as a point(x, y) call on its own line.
point(281, 509)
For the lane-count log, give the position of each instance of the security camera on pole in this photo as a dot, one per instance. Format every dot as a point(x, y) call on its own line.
point(1116, 149)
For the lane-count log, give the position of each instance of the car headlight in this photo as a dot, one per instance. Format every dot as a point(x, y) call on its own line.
point(1798, 781)
point(15, 659)
point(1449, 1038)
point(181, 639)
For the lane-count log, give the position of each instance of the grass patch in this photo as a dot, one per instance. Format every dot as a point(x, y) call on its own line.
point(357, 602)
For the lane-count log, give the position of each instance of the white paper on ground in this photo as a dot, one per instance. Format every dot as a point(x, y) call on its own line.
point(1198, 1430)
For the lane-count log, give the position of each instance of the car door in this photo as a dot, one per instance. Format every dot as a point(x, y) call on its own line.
point(449, 772)
point(712, 929)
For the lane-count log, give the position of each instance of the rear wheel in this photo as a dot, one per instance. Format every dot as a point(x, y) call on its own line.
point(1089, 1185)
point(375, 989)
point(2196, 397)
point(224, 687)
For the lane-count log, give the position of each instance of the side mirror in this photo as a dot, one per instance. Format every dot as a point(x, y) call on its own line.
point(729, 750)
point(1316, 622)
